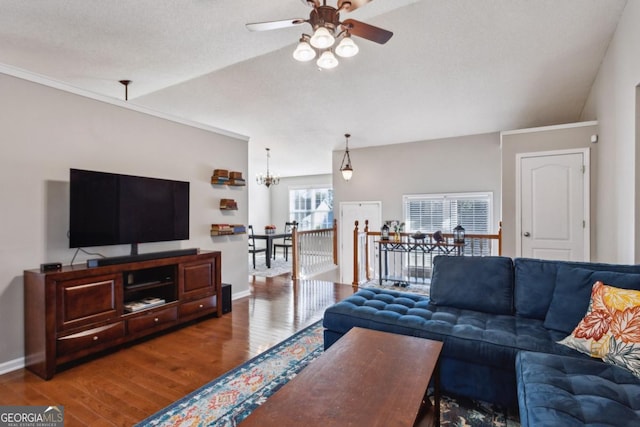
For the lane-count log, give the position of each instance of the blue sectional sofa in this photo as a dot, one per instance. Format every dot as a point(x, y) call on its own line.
point(487, 310)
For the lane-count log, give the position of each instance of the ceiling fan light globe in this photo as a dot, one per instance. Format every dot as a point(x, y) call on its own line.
point(327, 60)
point(347, 48)
point(304, 52)
point(322, 38)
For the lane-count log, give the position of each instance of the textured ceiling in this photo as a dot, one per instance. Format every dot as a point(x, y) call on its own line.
point(453, 67)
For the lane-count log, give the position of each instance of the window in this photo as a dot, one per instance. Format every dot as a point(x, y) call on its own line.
point(312, 208)
point(432, 212)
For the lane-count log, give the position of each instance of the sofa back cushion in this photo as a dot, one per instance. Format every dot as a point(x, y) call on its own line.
point(573, 291)
point(535, 281)
point(474, 283)
point(535, 284)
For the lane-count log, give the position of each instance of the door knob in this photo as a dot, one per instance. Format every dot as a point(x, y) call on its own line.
point(527, 234)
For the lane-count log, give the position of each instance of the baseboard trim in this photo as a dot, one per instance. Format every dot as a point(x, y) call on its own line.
point(11, 365)
point(239, 295)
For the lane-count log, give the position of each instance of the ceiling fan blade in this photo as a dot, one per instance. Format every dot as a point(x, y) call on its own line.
point(351, 5)
point(274, 25)
point(366, 31)
point(311, 3)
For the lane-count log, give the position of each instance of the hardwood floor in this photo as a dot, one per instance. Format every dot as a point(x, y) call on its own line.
point(127, 385)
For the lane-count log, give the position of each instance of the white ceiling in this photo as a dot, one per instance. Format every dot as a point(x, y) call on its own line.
point(453, 67)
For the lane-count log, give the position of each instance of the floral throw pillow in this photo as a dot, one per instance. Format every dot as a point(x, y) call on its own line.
point(610, 329)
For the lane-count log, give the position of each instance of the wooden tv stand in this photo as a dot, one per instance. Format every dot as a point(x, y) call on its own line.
point(77, 311)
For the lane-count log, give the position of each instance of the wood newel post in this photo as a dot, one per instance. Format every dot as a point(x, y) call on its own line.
point(366, 246)
point(355, 257)
point(335, 241)
point(500, 239)
point(294, 254)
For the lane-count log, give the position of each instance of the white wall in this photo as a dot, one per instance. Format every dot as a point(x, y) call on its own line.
point(613, 103)
point(463, 164)
point(45, 131)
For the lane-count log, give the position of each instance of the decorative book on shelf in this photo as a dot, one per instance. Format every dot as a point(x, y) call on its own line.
point(224, 177)
point(143, 304)
point(227, 229)
point(228, 204)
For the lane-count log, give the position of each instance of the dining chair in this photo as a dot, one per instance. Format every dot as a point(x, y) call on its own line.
point(253, 250)
point(286, 241)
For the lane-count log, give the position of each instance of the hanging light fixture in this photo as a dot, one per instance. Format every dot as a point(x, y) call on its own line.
point(329, 36)
point(126, 88)
point(322, 43)
point(267, 180)
point(345, 168)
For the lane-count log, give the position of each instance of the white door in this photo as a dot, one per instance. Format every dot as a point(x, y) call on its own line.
point(350, 212)
point(553, 208)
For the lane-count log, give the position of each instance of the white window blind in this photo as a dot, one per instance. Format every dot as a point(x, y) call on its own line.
point(431, 212)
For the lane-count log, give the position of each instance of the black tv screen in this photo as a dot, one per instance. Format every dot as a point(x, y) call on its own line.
point(113, 209)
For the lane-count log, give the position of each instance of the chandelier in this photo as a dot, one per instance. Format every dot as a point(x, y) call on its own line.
point(267, 180)
point(345, 168)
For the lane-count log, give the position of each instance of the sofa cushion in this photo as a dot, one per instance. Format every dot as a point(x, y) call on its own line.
point(535, 281)
point(464, 282)
point(592, 334)
point(611, 328)
point(564, 391)
point(472, 336)
point(573, 291)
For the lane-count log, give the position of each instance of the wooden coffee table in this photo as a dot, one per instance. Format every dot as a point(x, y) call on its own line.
point(367, 378)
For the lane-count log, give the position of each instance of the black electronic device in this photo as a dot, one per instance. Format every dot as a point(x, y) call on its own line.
point(50, 266)
point(114, 209)
point(226, 298)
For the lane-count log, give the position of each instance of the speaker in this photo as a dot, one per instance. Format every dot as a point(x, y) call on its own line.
point(100, 262)
point(226, 298)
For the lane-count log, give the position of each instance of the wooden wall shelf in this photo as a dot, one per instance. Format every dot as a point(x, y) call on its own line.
point(224, 177)
point(228, 205)
point(227, 229)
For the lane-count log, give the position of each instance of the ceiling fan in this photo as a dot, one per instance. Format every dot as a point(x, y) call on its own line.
point(325, 22)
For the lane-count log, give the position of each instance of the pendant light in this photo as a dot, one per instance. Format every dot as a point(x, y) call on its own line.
point(345, 168)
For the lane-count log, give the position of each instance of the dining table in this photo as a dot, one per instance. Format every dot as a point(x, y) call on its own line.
point(269, 237)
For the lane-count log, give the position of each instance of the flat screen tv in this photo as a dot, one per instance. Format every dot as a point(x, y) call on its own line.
point(114, 209)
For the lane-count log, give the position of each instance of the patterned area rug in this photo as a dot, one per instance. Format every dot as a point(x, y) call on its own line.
point(229, 399)
point(413, 288)
point(278, 266)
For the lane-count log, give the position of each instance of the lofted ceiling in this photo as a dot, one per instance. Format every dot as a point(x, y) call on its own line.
point(452, 68)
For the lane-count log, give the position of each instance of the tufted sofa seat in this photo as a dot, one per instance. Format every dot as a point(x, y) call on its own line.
point(473, 336)
point(562, 391)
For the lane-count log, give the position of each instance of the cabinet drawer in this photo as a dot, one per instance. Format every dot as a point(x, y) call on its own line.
point(89, 338)
point(199, 305)
point(88, 300)
point(151, 319)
